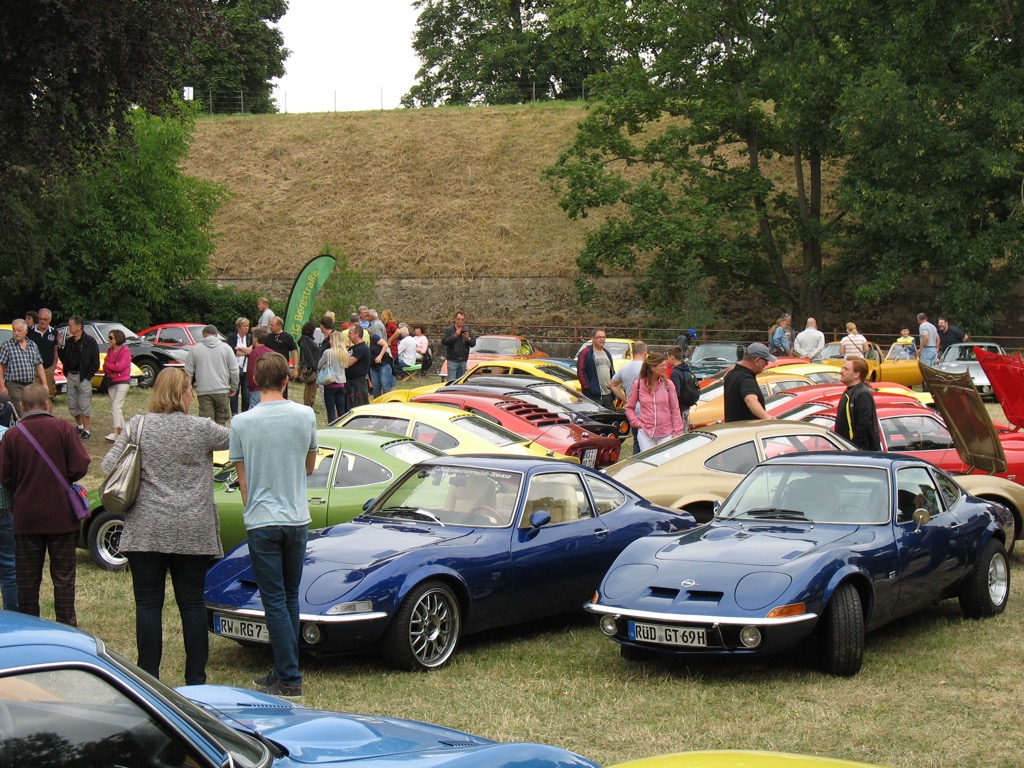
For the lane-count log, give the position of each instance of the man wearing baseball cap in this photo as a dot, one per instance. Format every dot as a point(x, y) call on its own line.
point(743, 398)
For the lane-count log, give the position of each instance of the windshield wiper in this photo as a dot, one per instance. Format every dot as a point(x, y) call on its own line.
point(775, 513)
point(414, 512)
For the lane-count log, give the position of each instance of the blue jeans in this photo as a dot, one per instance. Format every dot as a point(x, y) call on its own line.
point(383, 378)
point(242, 392)
point(149, 578)
point(334, 402)
point(276, 554)
point(928, 355)
point(456, 369)
point(8, 578)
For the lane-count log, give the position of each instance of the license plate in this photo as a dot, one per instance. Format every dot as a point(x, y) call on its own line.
point(658, 633)
point(590, 457)
point(240, 628)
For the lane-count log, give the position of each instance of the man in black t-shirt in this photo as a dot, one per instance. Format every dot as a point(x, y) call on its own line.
point(950, 335)
point(282, 342)
point(45, 337)
point(743, 398)
point(357, 392)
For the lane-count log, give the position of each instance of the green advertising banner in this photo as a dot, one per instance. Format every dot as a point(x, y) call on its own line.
point(309, 282)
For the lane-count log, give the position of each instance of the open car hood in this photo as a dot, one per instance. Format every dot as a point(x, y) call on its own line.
point(1006, 374)
point(967, 419)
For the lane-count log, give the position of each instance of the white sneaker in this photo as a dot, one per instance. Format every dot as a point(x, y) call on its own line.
point(111, 437)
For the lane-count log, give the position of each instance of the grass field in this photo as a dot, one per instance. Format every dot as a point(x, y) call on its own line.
point(936, 690)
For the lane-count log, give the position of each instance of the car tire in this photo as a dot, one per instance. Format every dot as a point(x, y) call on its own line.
point(984, 593)
point(104, 538)
point(844, 632)
point(150, 368)
point(423, 634)
point(632, 653)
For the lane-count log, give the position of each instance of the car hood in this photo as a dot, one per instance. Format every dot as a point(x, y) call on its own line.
point(364, 544)
point(313, 737)
point(967, 419)
point(1006, 375)
point(750, 543)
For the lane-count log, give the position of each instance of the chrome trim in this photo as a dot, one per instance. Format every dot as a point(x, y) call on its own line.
point(345, 618)
point(689, 618)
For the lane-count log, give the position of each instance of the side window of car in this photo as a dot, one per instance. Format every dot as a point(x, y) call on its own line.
point(558, 494)
point(434, 437)
point(394, 426)
point(321, 476)
point(739, 459)
point(915, 490)
point(353, 470)
point(74, 717)
point(174, 336)
point(780, 446)
point(950, 491)
point(606, 496)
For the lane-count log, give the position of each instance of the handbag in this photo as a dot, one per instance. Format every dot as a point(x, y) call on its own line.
point(326, 376)
point(105, 384)
point(120, 489)
point(309, 376)
point(78, 497)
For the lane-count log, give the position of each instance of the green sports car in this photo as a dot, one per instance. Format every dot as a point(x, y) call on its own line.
point(352, 467)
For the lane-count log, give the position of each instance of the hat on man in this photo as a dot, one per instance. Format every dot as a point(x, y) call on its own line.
point(759, 351)
point(211, 330)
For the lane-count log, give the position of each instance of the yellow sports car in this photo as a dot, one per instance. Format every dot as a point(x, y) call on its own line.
point(447, 429)
point(832, 355)
point(900, 365)
point(818, 373)
point(732, 758)
point(621, 350)
point(507, 366)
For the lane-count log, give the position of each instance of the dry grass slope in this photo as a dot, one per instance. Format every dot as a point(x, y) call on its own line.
point(446, 192)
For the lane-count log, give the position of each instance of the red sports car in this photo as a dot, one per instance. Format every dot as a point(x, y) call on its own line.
point(174, 334)
point(545, 427)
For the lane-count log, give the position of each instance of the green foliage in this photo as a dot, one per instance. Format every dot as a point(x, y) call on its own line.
point(240, 54)
point(502, 52)
point(346, 289)
point(812, 152)
point(70, 72)
point(133, 228)
point(204, 302)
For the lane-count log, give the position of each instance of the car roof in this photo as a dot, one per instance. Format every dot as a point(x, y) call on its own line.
point(503, 462)
point(846, 458)
point(22, 630)
point(346, 438)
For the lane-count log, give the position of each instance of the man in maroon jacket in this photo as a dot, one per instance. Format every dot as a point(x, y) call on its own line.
point(43, 518)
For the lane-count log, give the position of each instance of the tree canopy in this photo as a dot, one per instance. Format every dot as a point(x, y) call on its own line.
point(236, 60)
point(501, 52)
point(807, 150)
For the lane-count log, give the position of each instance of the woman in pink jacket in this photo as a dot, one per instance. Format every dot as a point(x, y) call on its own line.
point(658, 418)
point(118, 366)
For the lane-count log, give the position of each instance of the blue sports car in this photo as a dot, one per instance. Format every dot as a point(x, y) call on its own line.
point(65, 700)
point(826, 544)
point(456, 545)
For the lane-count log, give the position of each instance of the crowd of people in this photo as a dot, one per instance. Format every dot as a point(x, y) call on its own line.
point(241, 389)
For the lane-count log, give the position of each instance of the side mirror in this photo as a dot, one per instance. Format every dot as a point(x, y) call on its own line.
point(369, 503)
point(715, 507)
point(539, 518)
point(921, 517)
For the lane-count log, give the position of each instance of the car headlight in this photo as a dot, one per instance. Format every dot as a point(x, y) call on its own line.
point(608, 625)
point(311, 634)
point(750, 637)
point(356, 606)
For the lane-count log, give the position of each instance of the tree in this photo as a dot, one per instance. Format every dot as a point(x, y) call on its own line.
point(235, 63)
point(501, 52)
point(778, 145)
point(70, 72)
point(347, 288)
point(134, 228)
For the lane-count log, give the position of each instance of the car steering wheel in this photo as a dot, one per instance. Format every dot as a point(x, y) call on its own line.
point(489, 514)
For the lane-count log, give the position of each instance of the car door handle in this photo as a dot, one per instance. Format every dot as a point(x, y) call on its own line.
point(316, 500)
point(601, 531)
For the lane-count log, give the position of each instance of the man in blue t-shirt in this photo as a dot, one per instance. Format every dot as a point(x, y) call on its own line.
point(273, 447)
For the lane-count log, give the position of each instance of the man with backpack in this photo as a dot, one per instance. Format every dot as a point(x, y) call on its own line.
point(685, 383)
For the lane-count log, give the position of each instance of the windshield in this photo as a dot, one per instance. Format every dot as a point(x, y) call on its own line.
point(715, 351)
point(557, 372)
point(711, 392)
point(410, 451)
point(812, 494)
point(672, 449)
point(446, 495)
point(495, 345)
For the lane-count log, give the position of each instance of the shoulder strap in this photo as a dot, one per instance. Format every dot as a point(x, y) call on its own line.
point(49, 462)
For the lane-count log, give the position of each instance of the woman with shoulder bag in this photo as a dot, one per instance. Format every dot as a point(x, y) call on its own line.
point(658, 418)
point(853, 344)
point(173, 525)
point(336, 358)
point(117, 367)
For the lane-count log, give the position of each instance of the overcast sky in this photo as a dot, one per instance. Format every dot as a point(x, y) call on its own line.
point(346, 55)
